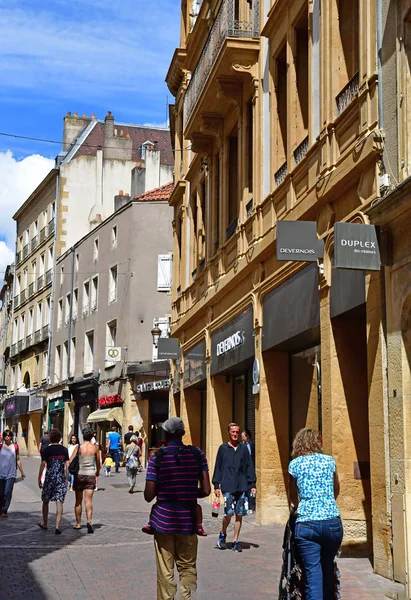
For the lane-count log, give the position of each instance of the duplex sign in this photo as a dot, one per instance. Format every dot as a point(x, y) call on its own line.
point(356, 247)
point(151, 386)
point(298, 241)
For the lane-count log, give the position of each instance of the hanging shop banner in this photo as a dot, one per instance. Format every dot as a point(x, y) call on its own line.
point(16, 405)
point(233, 343)
point(152, 386)
point(168, 348)
point(195, 365)
point(107, 401)
point(55, 405)
point(291, 312)
point(298, 241)
point(356, 247)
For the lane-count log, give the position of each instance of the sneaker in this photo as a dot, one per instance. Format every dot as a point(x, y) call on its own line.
point(237, 547)
point(222, 541)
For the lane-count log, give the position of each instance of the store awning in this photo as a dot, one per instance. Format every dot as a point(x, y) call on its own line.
point(106, 414)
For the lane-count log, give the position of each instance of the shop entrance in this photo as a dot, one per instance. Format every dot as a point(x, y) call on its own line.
point(244, 402)
point(305, 391)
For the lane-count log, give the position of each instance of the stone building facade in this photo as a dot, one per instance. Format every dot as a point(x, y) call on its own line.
point(277, 117)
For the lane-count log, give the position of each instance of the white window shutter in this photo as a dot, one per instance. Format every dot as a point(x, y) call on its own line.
point(164, 273)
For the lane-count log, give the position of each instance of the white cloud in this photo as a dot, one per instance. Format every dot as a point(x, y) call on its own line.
point(18, 179)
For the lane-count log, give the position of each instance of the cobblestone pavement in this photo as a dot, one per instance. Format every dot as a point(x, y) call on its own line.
point(118, 560)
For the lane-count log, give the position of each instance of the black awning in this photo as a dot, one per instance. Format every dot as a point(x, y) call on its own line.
point(148, 368)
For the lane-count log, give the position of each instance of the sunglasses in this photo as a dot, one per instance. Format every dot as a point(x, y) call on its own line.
point(8, 435)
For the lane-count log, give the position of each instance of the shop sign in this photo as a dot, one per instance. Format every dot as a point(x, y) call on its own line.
point(168, 348)
point(36, 402)
point(151, 386)
point(109, 400)
point(10, 408)
point(291, 310)
point(195, 365)
point(56, 404)
point(298, 241)
point(3, 389)
point(233, 343)
point(356, 247)
point(113, 354)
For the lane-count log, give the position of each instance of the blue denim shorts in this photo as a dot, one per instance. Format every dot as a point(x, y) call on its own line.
point(235, 503)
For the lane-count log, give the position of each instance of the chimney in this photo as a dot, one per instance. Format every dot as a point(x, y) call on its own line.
point(72, 128)
point(109, 125)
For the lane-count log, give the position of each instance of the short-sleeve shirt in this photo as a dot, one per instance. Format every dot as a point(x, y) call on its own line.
point(128, 437)
point(177, 482)
point(55, 456)
point(114, 439)
point(314, 474)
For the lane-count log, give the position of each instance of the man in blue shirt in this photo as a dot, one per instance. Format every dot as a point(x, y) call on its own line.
point(113, 440)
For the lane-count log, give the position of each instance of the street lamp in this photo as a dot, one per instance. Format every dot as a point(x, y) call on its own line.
point(156, 333)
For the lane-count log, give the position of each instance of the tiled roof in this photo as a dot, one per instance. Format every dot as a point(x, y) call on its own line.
point(138, 133)
point(161, 193)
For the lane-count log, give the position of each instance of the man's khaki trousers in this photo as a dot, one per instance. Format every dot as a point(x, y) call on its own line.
point(180, 550)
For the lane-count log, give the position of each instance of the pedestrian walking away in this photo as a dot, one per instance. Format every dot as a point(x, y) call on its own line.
point(112, 446)
point(131, 462)
point(129, 434)
point(74, 442)
point(314, 488)
point(108, 464)
point(234, 476)
point(85, 482)
point(177, 480)
point(44, 441)
point(9, 463)
point(56, 458)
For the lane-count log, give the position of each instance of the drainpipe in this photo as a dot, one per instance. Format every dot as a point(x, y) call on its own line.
point(73, 260)
point(379, 63)
point(53, 277)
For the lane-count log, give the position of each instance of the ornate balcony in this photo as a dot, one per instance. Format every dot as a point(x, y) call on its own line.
point(301, 151)
point(348, 93)
point(226, 25)
point(281, 174)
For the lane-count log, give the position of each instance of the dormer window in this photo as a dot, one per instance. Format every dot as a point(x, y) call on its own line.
point(144, 147)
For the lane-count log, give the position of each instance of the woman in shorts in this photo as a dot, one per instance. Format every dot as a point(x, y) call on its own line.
point(85, 482)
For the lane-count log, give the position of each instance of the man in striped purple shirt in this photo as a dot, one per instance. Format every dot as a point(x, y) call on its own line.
point(173, 475)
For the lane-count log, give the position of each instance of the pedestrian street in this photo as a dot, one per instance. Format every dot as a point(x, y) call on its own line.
point(118, 560)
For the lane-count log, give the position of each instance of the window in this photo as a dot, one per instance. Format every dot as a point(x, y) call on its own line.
point(26, 237)
point(95, 250)
point(281, 110)
point(35, 228)
point(76, 262)
point(65, 360)
point(25, 278)
point(33, 272)
point(86, 298)
point(67, 309)
point(45, 220)
point(111, 339)
point(57, 365)
point(72, 357)
point(13, 378)
point(60, 313)
point(48, 311)
point(19, 376)
point(21, 330)
point(15, 331)
point(31, 322)
point(37, 369)
point(88, 352)
point(52, 210)
point(164, 272)
point(114, 237)
point(94, 293)
point(112, 291)
point(42, 264)
point(20, 242)
point(50, 258)
point(44, 365)
point(62, 275)
point(39, 316)
point(75, 304)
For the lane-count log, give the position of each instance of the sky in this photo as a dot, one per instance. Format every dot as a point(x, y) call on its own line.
point(87, 56)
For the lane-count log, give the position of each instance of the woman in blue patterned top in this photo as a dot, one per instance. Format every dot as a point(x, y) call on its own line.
point(314, 487)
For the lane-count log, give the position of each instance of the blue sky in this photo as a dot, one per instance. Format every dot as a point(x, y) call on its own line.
point(87, 56)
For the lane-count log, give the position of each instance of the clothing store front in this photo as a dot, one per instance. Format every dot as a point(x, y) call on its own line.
point(56, 414)
point(195, 394)
point(85, 395)
point(15, 412)
point(291, 344)
point(108, 414)
point(232, 357)
point(36, 408)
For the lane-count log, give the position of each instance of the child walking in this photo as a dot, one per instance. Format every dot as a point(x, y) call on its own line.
point(108, 463)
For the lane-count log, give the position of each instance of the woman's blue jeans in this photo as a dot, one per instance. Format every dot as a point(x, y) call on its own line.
point(317, 544)
point(6, 491)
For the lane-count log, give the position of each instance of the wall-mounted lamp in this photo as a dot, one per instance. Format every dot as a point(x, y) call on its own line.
point(156, 333)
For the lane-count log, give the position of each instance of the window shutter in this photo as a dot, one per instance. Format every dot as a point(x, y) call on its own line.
point(164, 273)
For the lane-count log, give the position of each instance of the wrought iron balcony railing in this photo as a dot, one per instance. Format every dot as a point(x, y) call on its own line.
point(43, 234)
point(348, 93)
point(40, 282)
point(281, 174)
point(231, 228)
point(226, 25)
point(31, 289)
point(34, 243)
point(48, 276)
point(50, 228)
point(301, 151)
